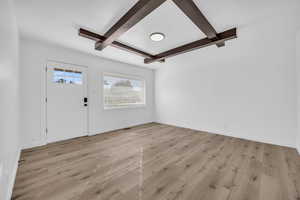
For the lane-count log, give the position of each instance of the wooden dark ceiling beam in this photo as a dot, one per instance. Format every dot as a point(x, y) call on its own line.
point(96, 37)
point(144, 7)
point(192, 11)
point(221, 37)
point(140, 10)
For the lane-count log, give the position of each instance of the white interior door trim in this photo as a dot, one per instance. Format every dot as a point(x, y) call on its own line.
point(45, 96)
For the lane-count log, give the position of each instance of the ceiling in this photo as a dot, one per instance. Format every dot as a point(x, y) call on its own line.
point(57, 21)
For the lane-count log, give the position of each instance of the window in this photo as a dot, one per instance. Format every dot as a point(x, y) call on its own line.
point(66, 76)
point(121, 91)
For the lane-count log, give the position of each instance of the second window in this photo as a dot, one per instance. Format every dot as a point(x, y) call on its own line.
point(123, 91)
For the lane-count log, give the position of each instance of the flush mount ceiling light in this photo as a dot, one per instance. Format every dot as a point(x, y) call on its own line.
point(143, 8)
point(156, 37)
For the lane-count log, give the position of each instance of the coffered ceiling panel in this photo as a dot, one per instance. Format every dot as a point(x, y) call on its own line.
point(167, 19)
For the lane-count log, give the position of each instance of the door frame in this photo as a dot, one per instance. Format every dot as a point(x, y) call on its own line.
point(45, 96)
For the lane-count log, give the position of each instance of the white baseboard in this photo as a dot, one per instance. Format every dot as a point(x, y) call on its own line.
point(92, 133)
point(34, 144)
point(13, 176)
point(42, 142)
point(231, 135)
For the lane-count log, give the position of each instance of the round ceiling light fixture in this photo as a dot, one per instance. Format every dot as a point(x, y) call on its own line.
point(156, 37)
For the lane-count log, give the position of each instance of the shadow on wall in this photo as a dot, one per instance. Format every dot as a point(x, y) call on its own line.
point(298, 87)
point(9, 103)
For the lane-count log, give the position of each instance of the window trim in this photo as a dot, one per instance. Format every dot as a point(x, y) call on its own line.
point(126, 76)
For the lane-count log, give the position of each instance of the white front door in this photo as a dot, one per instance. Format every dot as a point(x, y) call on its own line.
point(67, 106)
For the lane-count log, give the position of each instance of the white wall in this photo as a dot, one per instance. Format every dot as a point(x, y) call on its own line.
point(246, 89)
point(33, 58)
point(298, 87)
point(9, 99)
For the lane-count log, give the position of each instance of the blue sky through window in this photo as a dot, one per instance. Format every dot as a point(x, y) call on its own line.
point(67, 77)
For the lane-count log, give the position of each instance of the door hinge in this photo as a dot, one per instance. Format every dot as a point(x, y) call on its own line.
point(46, 68)
point(46, 131)
point(46, 99)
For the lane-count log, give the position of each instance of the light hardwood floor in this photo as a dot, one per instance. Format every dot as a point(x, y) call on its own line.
point(158, 162)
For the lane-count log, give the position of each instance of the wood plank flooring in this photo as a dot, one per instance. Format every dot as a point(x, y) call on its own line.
point(158, 162)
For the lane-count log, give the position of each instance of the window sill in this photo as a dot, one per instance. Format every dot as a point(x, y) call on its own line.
point(124, 107)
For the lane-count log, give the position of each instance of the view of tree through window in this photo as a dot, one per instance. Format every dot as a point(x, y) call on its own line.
point(121, 91)
point(65, 76)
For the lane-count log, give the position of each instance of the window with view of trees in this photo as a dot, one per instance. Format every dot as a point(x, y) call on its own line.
point(66, 76)
point(122, 91)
